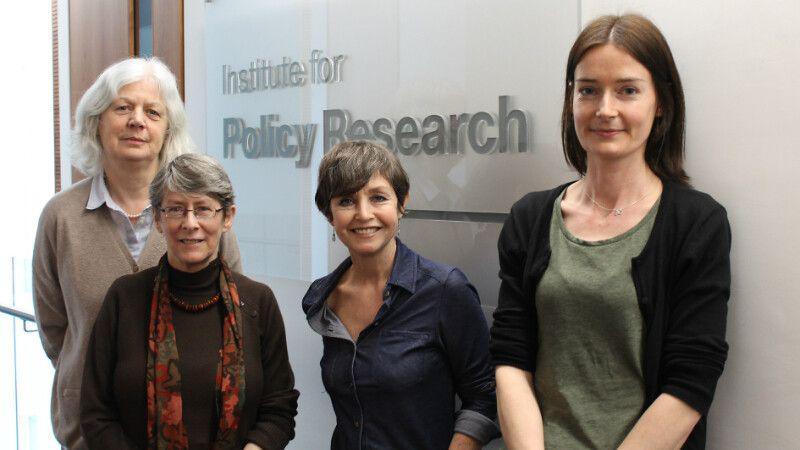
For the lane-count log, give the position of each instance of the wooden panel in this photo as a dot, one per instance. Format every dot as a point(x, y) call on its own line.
point(167, 19)
point(100, 34)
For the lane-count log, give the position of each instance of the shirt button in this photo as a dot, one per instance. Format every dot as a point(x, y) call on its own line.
point(386, 293)
point(357, 424)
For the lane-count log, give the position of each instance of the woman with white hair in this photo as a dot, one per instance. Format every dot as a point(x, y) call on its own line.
point(128, 124)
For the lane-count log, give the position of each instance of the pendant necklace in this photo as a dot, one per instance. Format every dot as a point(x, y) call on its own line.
point(614, 211)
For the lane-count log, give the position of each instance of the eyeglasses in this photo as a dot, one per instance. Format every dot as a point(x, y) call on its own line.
point(179, 212)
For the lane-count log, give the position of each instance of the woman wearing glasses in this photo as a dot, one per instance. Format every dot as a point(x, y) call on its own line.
point(189, 354)
point(130, 122)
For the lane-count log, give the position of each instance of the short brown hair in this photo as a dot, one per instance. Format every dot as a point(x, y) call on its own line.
point(640, 38)
point(347, 168)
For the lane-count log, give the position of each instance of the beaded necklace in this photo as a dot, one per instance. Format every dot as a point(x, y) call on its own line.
point(193, 307)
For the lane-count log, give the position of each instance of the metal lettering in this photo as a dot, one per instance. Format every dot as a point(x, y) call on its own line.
point(337, 67)
point(433, 140)
point(306, 136)
point(273, 76)
point(504, 124)
point(314, 61)
point(260, 74)
point(268, 136)
point(253, 82)
point(388, 138)
point(413, 133)
point(477, 131)
point(250, 142)
point(484, 132)
point(359, 130)
point(233, 81)
point(282, 136)
point(326, 69)
point(297, 73)
point(243, 84)
point(456, 122)
point(331, 133)
point(231, 135)
point(225, 90)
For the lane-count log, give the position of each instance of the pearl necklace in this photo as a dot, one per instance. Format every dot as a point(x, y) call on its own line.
point(136, 216)
point(130, 216)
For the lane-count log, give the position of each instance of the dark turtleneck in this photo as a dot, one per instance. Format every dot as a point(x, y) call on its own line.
point(113, 395)
point(199, 338)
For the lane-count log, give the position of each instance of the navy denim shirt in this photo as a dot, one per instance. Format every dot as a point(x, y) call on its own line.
point(395, 386)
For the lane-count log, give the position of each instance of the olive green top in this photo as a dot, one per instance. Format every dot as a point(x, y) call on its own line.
point(588, 380)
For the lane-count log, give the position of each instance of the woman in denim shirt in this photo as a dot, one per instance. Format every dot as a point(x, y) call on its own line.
point(402, 335)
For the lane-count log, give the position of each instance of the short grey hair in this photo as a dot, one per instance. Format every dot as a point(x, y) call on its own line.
point(87, 153)
point(192, 173)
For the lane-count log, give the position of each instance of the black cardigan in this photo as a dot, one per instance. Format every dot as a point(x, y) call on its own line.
point(113, 399)
point(682, 281)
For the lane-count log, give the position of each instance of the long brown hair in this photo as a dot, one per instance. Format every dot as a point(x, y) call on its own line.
point(641, 39)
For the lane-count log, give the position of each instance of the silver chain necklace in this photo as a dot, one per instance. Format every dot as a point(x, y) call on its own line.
point(614, 211)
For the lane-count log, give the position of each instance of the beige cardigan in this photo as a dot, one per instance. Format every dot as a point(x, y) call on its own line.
point(78, 253)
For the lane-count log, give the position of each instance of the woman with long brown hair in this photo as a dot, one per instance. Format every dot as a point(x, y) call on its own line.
point(610, 327)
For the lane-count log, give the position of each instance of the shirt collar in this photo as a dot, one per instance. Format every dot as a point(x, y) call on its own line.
point(404, 270)
point(98, 193)
point(404, 275)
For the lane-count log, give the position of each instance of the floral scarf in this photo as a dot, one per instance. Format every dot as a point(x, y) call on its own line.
point(165, 428)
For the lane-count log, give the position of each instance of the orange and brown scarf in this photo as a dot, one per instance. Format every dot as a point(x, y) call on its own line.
point(165, 428)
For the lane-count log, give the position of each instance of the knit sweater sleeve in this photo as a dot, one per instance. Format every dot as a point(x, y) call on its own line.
point(100, 421)
point(694, 349)
point(274, 425)
point(48, 300)
point(514, 331)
